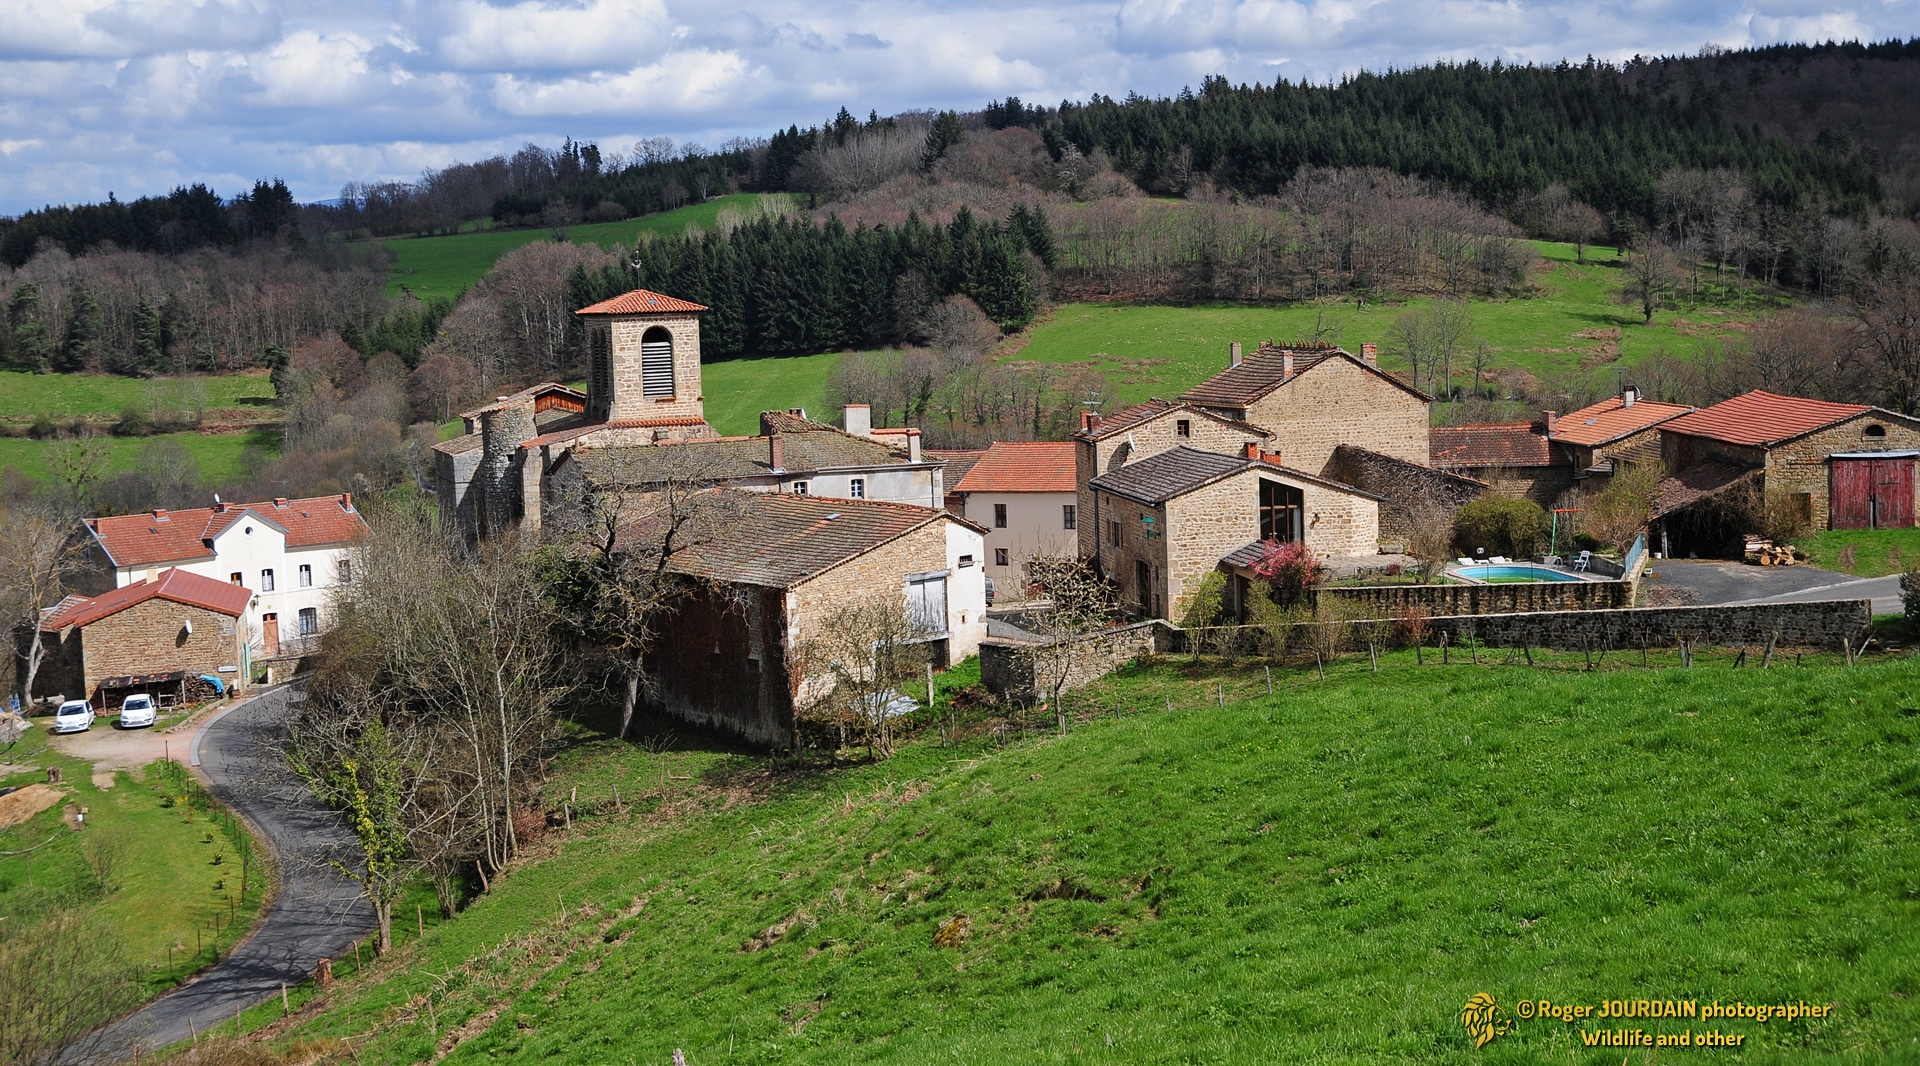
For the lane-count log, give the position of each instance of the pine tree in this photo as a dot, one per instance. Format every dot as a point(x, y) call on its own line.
point(84, 329)
point(149, 352)
point(946, 133)
point(32, 343)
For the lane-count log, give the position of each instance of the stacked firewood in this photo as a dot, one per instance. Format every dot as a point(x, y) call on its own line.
point(1762, 552)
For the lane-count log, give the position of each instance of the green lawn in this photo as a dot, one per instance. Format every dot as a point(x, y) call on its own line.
point(218, 453)
point(25, 395)
point(737, 390)
point(1875, 552)
point(162, 888)
point(447, 266)
point(1324, 875)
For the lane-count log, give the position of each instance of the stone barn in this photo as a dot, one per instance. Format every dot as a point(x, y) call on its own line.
point(144, 636)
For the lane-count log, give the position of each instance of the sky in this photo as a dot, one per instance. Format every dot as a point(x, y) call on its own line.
point(135, 97)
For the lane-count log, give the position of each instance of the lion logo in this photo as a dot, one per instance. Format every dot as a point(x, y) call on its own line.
point(1484, 1018)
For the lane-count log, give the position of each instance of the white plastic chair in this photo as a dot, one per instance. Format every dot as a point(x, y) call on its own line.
point(1464, 561)
point(1583, 561)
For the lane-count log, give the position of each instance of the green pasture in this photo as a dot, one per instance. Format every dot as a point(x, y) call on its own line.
point(737, 390)
point(449, 265)
point(1864, 552)
point(144, 865)
point(219, 454)
point(25, 396)
point(1198, 871)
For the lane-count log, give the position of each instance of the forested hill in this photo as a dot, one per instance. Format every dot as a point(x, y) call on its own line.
point(1496, 132)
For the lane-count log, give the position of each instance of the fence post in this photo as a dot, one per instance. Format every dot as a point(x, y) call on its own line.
point(1269, 680)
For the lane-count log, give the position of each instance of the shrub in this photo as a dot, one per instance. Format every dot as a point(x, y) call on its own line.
point(133, 423)
point(1277, 626)
point(1289, 569)
point(1500, 525)
point(1910, 593)
point(1201, 613)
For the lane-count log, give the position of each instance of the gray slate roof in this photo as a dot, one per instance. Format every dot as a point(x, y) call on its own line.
point(1174, 473)
point(804, 451)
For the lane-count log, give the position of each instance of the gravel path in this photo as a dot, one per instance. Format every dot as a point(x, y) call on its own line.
point(317, 914)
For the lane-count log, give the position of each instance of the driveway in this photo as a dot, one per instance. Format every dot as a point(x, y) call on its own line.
point(1725, 583)
point(317, 914)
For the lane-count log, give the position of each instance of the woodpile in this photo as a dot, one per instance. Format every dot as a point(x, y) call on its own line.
point(1762, 552)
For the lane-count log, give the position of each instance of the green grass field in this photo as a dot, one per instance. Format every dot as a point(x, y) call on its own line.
point(1324, 875)
point(58, 396)
point(448, 266)
point(737, 390)
point(162, 888)
point(1875, 552)
point(219, 454)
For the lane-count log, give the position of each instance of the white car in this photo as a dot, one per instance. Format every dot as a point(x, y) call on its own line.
point(74, 716)
point(136, 710)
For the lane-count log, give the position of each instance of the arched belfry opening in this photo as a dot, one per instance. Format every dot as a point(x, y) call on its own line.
point(599, 371)
point(656, 363)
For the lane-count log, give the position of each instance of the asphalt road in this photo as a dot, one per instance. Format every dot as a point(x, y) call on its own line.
point(318, 912)
point(1728, 583)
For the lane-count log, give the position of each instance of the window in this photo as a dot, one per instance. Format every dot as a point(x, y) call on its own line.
point(1875, 431)
point(656, 363)
point(1280, 508)
point(857, 488)
point(306, 576)
point(1113, 532)
point(1000, 557)
point(600, 371)
point(346, 570)
point(927, 603)
point(966, 561)
point(266, 581)
point(236, 578)
point(1069, 516)
point(309, 621)
point(799, 488)
point(999, 516)
point(1182, 427)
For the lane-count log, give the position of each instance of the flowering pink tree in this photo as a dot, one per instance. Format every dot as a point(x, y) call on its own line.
point(1289, 568)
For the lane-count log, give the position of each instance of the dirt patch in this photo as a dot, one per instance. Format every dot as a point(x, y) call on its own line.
point(17, 807)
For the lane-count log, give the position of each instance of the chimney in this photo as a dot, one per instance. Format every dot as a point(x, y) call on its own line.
point(280, 502)
point(160, 514)
point(1286, 364)
point(1546, 420)
point(346, 501)
point(859, 420)
point(1370, 353)
point(913, 446)
point(1628, 395)
point(776, 454)
point(1233, 354)
point(1253, 450)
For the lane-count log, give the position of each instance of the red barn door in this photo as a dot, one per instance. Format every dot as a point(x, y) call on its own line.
point(1872, 493)
point(1893, 493)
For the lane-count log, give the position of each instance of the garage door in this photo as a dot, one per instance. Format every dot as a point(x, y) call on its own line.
point(1872, 492)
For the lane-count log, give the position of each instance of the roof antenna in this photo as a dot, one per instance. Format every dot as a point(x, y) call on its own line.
point(216, 497)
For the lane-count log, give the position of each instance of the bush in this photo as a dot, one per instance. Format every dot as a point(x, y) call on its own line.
point(1289, 569)
point(133, 423)
point(1500, 525)
point(1910, 593)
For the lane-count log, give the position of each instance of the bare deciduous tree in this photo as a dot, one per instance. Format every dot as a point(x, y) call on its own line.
point(1082, 604)
point(40, 551)
point(871, 649)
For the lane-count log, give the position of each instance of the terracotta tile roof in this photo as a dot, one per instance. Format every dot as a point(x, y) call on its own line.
point(573, 427)
point(1022, 466)
point(1265, 370)
point(1696, 483)
point(778, 540)
point(1173, 473)
point(176, 585)
point(1610, 419)
point(1129, 418)
point(959, 461)
point(152, 537)
point(1491, 444)
point(1758, 418)
point(640, 302)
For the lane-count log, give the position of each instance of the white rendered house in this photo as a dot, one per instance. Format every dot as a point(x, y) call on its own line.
point(291, 554)
point(1025, 496)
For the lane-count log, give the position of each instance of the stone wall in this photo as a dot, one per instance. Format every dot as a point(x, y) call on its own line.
point(1819, 626)
point(1007, 666)
point(1532, 596)
point(151, 638)
point(1415, 494)
point(1802, 466)
point(1544, 485)
point(628, 403)
point(1339, 402)
point(880, 572)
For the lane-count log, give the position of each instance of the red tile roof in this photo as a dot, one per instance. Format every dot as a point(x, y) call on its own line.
point(1025, 466)
point(1610, 420)
point(1491, 444)
point(152, 537)
point(176, 585)
point(640, 302)
point(1758, 418)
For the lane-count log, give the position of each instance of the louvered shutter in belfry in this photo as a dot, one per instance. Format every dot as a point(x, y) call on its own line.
point(656, 367)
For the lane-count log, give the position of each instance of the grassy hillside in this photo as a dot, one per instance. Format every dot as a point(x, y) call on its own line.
point(446, 266)
point(68, 395)
point(737, 390)
point(1322, 875)
point(217, 453)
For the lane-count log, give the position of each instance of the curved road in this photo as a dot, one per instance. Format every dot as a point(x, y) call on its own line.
point(317, 914)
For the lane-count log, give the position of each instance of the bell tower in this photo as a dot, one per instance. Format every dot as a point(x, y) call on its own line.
point(643, 358)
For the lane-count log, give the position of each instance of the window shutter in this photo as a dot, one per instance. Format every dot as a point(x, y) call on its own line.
point(656, 367)
point(927, 604)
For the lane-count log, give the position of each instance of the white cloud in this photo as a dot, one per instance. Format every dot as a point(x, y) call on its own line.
point(138, 95)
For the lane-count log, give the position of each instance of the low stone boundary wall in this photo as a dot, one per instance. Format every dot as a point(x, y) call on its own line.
point(1007, 666)
point(1789, 625)
point(1489, 599)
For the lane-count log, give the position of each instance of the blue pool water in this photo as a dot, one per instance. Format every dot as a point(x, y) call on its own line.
point(1524, 572)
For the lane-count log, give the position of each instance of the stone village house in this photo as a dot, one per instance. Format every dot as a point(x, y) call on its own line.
point(149, 635)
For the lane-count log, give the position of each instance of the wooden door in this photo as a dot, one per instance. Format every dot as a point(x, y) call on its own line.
point(270, 633)
point(1893, 493)
point(1872, 493)
point(1850, 488)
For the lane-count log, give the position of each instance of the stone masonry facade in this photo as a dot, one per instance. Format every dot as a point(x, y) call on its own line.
point(1801, 465)
point(1091, 458)
point(624, 401)
point(1340, 402)
point(1819, 626)
point(146, 638)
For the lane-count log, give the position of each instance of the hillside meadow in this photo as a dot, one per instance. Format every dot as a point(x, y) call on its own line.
point(1198, 871)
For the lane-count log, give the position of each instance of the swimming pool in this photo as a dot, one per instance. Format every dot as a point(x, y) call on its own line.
point(1499, 574)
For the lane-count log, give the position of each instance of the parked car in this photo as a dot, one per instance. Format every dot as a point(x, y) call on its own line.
point(136, 710)
point(74, 716)
point(990, 592)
